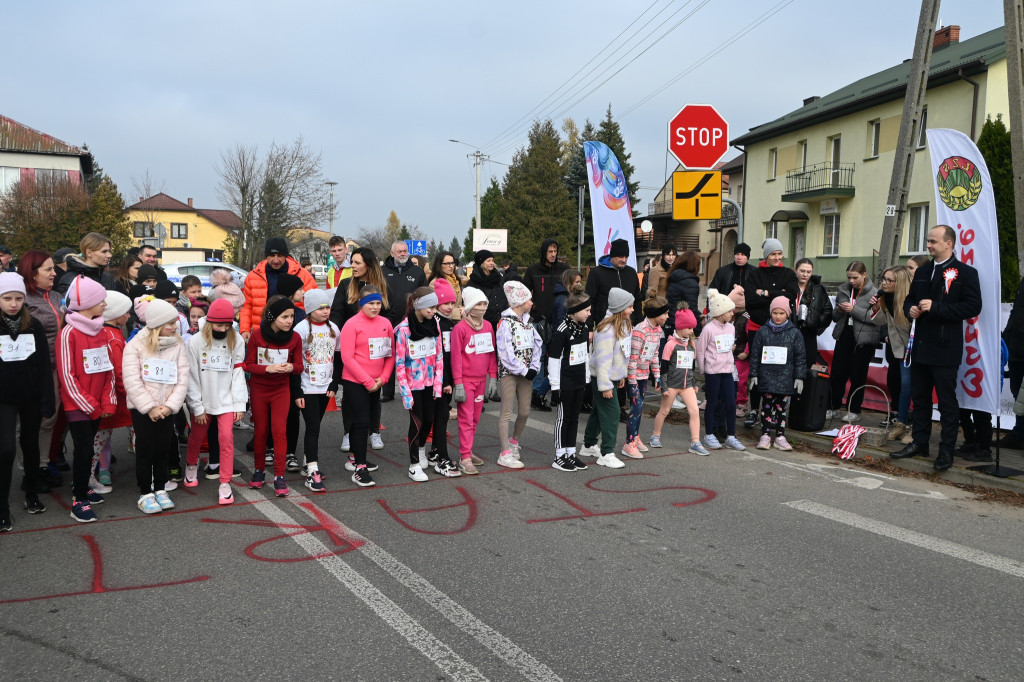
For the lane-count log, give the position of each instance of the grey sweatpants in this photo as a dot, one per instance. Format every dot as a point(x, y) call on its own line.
point(514, 388)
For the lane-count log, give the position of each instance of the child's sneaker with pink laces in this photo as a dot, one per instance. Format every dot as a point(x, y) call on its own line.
point(629, 450)
point(782, 444)
point(640, 444)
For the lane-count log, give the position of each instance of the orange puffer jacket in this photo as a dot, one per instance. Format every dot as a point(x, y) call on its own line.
point(255, 291)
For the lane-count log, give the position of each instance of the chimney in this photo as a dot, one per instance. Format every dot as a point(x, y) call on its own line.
point(811, 100)
point(947, 35)
point(190, 202)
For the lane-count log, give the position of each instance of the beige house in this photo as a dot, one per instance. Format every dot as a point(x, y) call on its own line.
point(180, 231)
point(818, 178)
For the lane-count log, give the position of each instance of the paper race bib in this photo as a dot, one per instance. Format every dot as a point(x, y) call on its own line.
point(578, 353)
point(321, 374)
point(446, 339)
point(13, 350)
point(215, 361)
point(271, 356)
point(96, 360)
point(625, 344)
point(483, 343)
point(724, 343)
point(380, 347)
point(649, 351)
point(523, 338)
point(684, 359)
point(159, 371)
point(774, 355)
point(422, 348)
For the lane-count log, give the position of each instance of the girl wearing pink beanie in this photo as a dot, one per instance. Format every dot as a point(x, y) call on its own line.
point(777, 368)
point(678, 378)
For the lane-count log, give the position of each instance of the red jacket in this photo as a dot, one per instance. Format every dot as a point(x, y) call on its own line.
point(255, 291)
point(92, 394)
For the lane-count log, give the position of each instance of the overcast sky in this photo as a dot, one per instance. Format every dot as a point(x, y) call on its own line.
point(379, 87)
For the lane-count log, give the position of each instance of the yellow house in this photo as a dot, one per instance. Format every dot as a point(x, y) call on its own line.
point(180, 231)
point(818, 178)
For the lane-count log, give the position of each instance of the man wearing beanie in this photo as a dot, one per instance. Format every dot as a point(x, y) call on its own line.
point(262, 282)
point(613, 271)
point(731, 279)
point(540, 279)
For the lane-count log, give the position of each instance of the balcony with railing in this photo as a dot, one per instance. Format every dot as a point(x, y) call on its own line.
point(825, 180)
point(730, 218)
point(659, 207)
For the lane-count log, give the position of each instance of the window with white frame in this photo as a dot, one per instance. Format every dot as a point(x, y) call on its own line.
point(830, 243)
point(773, 163)
point(917, 229)
point(874, 132)
point(179, 230)
point(803, 154)
point(922, 139)
point(771, 230)
point(8, 176)
point(143, 230)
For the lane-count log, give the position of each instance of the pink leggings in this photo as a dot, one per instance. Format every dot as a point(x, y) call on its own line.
point(226, 436)
point(469, 413)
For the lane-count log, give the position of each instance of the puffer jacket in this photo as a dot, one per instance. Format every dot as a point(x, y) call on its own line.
point(609, 361)
point(819, 308)
point(143, 395)
point(778, 379)
point(865, 332)
point(683, 285)
point(45, 305)
point(255, 290)
point(75, 267)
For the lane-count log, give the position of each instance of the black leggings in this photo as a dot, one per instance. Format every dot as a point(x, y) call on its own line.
point(313, 414)
point(567, 421)
point(849, 362)
point(31, 417)
point(150, 451)
point(442, 407)
point(421, 418)
point(82, 435)
point(361, 406)
point(347, 416)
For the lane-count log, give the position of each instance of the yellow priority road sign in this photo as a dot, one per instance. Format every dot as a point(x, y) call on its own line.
point(697, 195)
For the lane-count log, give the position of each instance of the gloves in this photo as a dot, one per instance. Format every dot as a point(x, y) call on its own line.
point(460, 393)
point(753, 382)
point(556, 397)
point(799, 386)
point(531, 374)
point(492, 389)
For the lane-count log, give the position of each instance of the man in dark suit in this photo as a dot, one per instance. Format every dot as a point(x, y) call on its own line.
point(942, 295)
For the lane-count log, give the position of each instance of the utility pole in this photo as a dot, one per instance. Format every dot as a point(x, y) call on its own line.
point(1013, 11)
point(478, 159)
point(910, 133)
point(582, 226)
point(331, 184)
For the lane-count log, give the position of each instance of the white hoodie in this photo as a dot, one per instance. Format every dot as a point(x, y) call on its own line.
point(213, 391)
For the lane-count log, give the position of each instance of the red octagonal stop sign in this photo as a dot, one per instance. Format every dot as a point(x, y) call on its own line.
point(698, 136)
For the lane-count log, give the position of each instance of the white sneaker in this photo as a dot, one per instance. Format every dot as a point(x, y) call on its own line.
point(170, 485)
point(148, 504)
point(506, 459)
point(829, 414)
point(98, 487)
point(224, 495)
point(590, 451)
point(851, 417)
point(424, 462)
point(610, 461)
point(678, 403)
point(515, 449)
point(345, 447)
point(164, 500)
point(375, 442)
point(416, 473)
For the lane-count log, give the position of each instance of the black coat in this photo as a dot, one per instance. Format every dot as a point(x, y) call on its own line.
point(729, 275)
point(939, 335)
point(491, 286)
point(683, 285)
point(819, 308)
point(603, 279)
point(31, 378)
point(78, 267)
point(780, 281)
point(541, 279)
point(1013, 335)
point(342, 310)
point(401, 281)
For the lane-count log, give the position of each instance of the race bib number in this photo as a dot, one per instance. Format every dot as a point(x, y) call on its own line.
point(215, 361)
point(624, 345)
point(320, 375)
point(523, 338)
point(380, 347)
point(684, 359)
point(650, 350)
point(422, 348)
point(446, 339)
point(271, 356)
point(724, 343)
point(22, 348)
point(96, 360)
point(483, 343)
point(159, 371)
point(578, 353)
point(774, 355)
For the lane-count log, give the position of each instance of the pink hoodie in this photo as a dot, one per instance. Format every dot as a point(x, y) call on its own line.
point(466, 362)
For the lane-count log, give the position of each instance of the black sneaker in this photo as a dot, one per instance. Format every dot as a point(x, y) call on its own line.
point(350, 464)
point(95, 497)
point(82, 512)
point(446, 468)
point(578, 463)
point(174, 474)
point(361, 477)
point(291, 463)
point(33, 505)
point(211, 474)
point(563, 463)
point(750, 420)
point(315, 482)
point(6, 523)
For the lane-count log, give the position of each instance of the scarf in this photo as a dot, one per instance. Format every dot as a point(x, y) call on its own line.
point(478, 276)
point(777, 327)
point(84, 324)
point(419, 330)
point(456, 284)
point(269, 334)
point(13, 323)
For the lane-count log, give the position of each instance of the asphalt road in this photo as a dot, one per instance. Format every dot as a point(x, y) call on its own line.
point(756, 565)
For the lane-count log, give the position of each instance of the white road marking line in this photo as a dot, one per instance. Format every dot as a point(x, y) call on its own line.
point(449, 662)
point(952, 549)
point(503, 648)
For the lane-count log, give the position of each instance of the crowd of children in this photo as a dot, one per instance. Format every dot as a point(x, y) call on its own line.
point(145, 360)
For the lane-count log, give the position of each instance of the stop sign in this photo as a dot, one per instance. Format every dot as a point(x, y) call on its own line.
point(698, 136)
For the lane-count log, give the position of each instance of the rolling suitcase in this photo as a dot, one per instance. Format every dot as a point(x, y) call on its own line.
point(807, 411)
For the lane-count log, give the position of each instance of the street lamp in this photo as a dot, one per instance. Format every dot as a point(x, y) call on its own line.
point(331, 183)
point(478, 160)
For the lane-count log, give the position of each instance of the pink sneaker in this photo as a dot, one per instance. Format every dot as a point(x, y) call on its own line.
point(639, 444)
point(629, 450)
point(765, 443)
point(781, 443)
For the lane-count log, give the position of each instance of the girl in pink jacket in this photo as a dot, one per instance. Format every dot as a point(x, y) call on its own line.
point(714, 357)
point(474, 372)
point(155, 370)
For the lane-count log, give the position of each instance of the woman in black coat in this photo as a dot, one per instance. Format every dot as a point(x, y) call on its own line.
point(813, 309)
point(487, 278)
point(682, 284)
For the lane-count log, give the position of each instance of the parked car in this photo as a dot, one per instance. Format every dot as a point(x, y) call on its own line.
point(175, 271)
point(319, 272)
